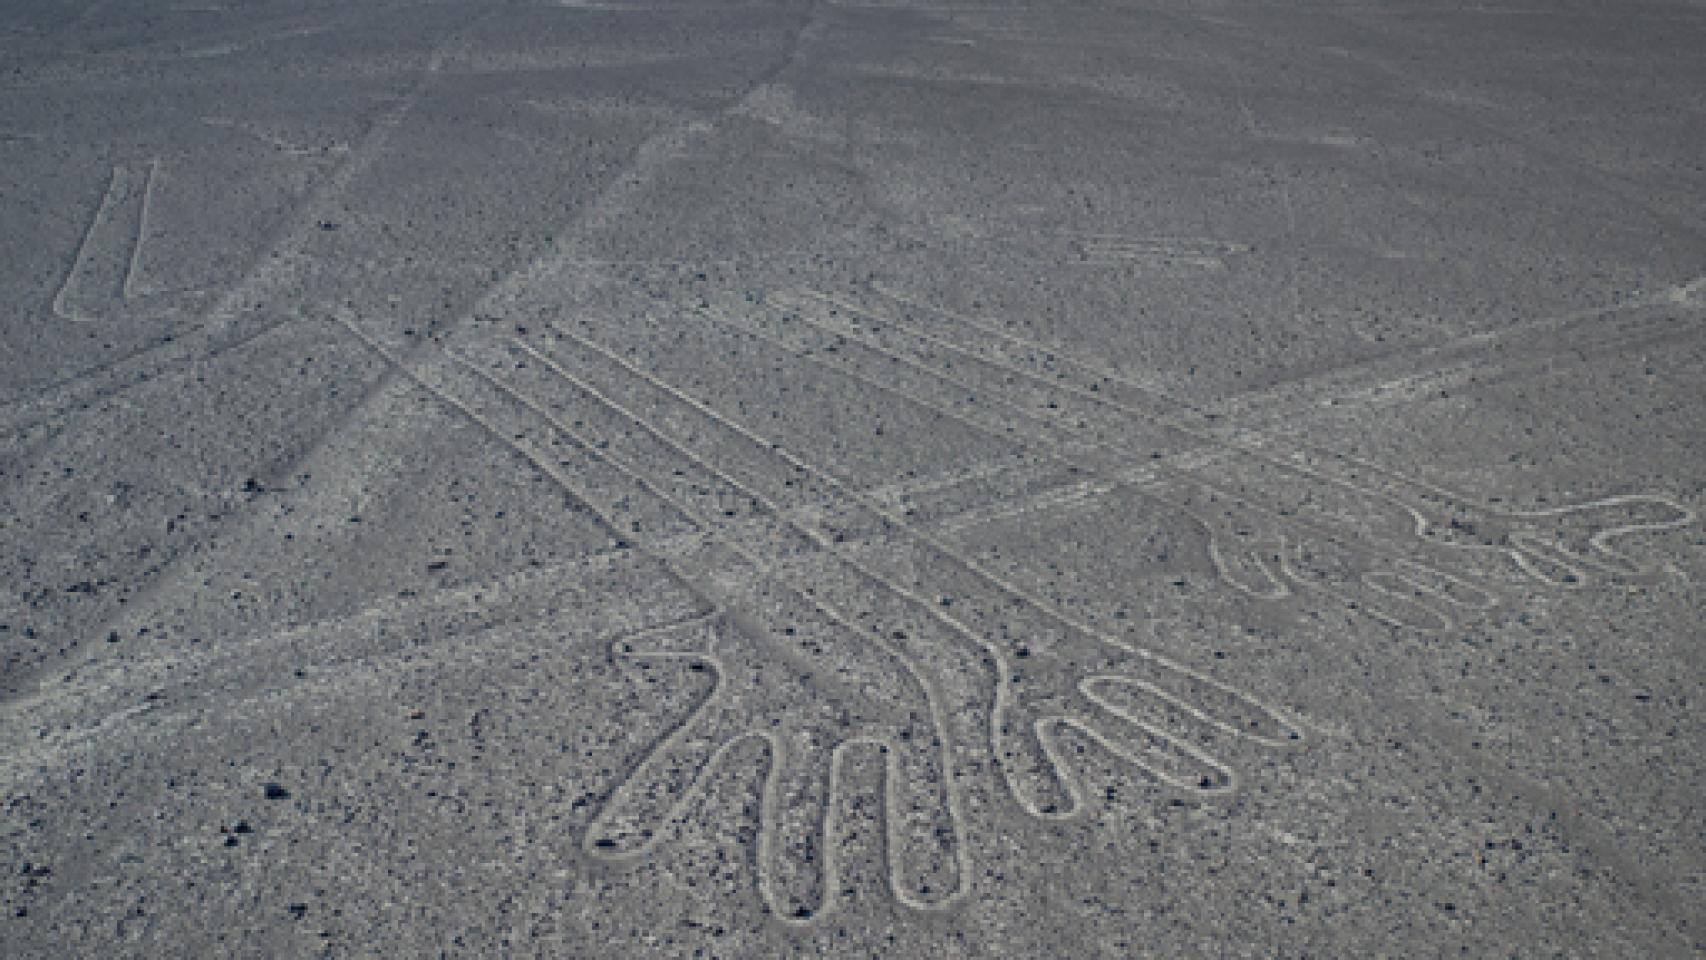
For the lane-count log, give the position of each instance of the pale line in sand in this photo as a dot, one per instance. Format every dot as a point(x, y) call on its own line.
point(1249, 120)
point(1291, 234)
point(899, 491)
point(1202, 252)
point(1059, 498)
point(1282, 401)
point(1466, 370)
point(128, 291)
point(278, 143)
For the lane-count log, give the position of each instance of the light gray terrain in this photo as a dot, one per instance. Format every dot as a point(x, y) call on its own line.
point(1176, 478)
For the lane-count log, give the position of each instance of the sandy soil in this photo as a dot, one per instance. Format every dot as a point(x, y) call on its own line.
point(1009, 479)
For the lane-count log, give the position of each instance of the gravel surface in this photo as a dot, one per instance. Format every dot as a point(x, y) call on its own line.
point(1179, 478)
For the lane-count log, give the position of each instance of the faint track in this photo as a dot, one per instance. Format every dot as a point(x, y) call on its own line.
point(1199, 252)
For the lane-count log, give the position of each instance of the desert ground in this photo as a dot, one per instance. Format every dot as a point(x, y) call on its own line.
point(852, 478)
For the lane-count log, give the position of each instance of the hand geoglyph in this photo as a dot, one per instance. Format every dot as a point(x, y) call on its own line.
point(828, 611)
point(808, 688)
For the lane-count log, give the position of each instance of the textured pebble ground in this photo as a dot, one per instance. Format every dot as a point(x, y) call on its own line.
point(1010, 479)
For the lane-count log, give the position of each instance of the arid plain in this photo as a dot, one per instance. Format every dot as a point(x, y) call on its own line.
point(1176, 478)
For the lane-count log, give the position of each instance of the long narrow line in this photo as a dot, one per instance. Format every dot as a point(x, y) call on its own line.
point(134, 266)
point(1676, 294)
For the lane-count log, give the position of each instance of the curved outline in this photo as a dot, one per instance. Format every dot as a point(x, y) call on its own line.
point(1526, 546)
